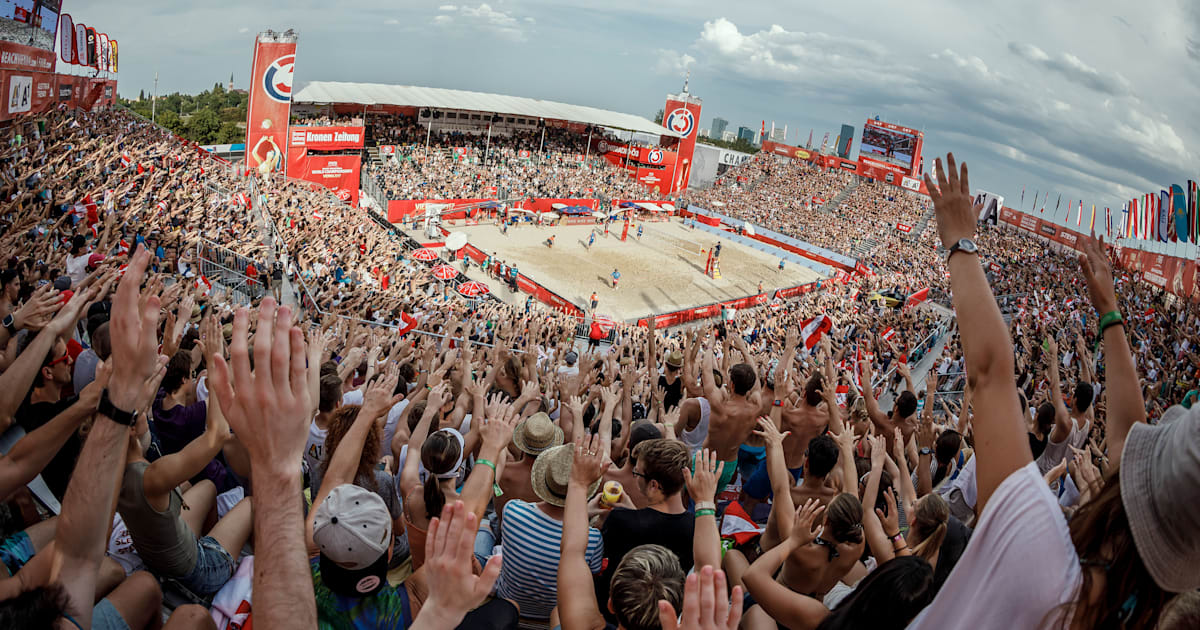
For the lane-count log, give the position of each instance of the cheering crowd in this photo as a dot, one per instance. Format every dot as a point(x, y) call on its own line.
point(381, 455)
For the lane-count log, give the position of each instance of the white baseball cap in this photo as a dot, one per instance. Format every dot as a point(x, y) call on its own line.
point(353, 530)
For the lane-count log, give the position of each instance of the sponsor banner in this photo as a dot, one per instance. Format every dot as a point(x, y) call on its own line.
point(80, 45)
point(113, 63)
point(27, 58)
point(914, 184)
point(786, 151)
point(387, 149)
point(881, 171)
point(66, 44)
point(270, 98)
point(903, 227)
point(790, 292)
point(681, 114)
point(401, 208)
point(326, 138)
point(339, 173)
point(93, 55)
point(547, 205)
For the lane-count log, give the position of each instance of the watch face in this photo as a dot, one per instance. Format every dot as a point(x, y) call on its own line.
point(967, 245)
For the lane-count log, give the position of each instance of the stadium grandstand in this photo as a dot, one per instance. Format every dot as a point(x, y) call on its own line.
point(301, 391)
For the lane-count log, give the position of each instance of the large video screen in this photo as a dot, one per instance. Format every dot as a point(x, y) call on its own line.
point(894, 147)
point(30, 22)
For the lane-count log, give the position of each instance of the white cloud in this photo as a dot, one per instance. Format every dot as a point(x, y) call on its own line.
point(672, 62)
point(1074, 69)
point(244, 29)
point(483, 18)
point(391, 21)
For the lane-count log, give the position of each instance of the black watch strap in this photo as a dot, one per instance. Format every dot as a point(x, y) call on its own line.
point(10, 323)
point(120, 416)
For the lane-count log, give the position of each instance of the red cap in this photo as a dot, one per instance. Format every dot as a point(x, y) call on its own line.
point(74, 348)
point(65, 296)
point(94, 260)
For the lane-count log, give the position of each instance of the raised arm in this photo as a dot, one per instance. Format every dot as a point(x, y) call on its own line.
point(880, 419)
point(1125, 405)
point(18, 378)
point(779, 523)
point(167, 472)
point(785, 606)
point(577, 608)
point(409, 477)
point(496, 430)
point(702, 488)
point(1062, 420)
point(82, 531)
point(1000, 437)
point(270, 411)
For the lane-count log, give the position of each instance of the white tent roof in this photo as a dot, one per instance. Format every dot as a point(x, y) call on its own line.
point(413, 96)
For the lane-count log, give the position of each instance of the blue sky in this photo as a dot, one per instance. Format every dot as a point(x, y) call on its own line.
point(1092, 100)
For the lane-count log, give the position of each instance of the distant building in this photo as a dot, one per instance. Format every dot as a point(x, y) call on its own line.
point(704, 133)
point(778, 135)
point(845, 141)
point(747, 134)
point(728, 136)
point(718, 128)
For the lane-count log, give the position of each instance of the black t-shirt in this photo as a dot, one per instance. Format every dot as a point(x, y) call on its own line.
point(56, 474)
point(626, 529)
point(953, 546)
point(674, 391)
point(1036, 445)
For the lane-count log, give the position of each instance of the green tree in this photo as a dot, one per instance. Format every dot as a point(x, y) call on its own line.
point(203, 126)
point(141, 95)
point(659, 116)
point(169, 119)
point(230, 133)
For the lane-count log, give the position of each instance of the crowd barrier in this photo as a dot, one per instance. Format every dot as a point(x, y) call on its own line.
point(773, 238)
point(528, 285)
point(708, 311)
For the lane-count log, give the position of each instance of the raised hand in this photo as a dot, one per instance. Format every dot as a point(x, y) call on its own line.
point(454, 589)
point(952, 201)
point(38, 309)
point(134, 334)
point(770, 433)
point(891, 520)
point(378, 398)
point(705, 606)
point(1098, 273)
point(702, 484)
point(269, 406)
point(590, 462)
point(807, 525)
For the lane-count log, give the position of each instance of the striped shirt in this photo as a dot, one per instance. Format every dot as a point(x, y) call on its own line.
point(531, 543)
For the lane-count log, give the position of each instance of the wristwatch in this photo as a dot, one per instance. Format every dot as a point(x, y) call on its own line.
point(10, 324)
point(925, 450)
point(120, 416)
point(964, 245)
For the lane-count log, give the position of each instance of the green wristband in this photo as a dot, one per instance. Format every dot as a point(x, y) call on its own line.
point(706, 512)
point(1110, 318)
point(495, 486)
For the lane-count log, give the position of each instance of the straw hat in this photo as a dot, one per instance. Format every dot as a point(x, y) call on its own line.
point(536, 434)
point(551, 473)
point(675, 359)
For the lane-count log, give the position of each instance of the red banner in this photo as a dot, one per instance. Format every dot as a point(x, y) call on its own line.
point(270, 101)
point(786, 151)
point(326, 138)
point(902, 227)
point(398, 209)
point(681, 114)
point(20, 57)
point(339, 173)
point(387, 149)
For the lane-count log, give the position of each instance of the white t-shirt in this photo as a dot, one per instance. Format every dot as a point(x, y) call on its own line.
point(1019, 567)
point(314, 450)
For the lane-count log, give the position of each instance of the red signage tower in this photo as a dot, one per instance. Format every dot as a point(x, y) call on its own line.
point(681, 114)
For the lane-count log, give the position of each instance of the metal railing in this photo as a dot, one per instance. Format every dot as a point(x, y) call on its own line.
point(228, 269)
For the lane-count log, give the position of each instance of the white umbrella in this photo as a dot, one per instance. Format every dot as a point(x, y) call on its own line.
point(455, 241)
point(749, 229)
point(550, 216)
point(718, 204)
point(558, 206)
point(599, 215)
point(522, 210)
point(668, 207)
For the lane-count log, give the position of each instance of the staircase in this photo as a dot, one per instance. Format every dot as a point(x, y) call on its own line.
point(922, 223)
point(845, 193)
point(374, 156)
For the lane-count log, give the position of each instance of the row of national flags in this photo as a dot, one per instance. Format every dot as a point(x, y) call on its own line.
point(1171, 215)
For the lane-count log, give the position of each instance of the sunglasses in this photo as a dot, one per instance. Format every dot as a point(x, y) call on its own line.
point(66, 357)
point(829, 546)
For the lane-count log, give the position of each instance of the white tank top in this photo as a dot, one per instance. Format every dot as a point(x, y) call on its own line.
point(695, 438)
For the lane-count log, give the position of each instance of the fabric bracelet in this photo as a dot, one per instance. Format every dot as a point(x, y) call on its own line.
point(1110, 318)
point(495, 486)
point(706, 512)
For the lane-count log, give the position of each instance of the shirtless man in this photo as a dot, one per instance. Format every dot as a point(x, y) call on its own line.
point(733, 414)
point(903, 413)
point(532, 436)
